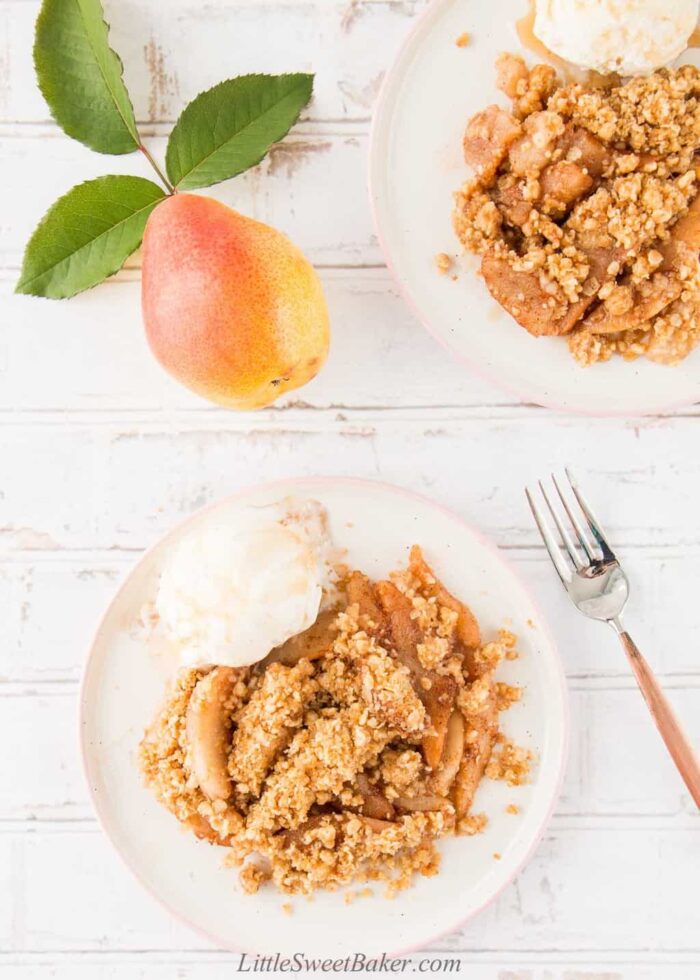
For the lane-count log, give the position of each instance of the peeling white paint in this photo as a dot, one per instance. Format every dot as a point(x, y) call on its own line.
point(100, 453)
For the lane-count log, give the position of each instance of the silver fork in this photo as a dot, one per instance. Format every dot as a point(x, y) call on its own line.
point(599, 588)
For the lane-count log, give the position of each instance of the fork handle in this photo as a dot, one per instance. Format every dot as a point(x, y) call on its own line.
point(663, 714)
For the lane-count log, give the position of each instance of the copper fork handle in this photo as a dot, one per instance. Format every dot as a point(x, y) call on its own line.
point(663, 714)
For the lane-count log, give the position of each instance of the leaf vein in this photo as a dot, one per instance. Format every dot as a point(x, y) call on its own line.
point(98, 240)
point(127, 126)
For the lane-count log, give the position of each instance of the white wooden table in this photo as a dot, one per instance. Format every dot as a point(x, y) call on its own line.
point(100, 453)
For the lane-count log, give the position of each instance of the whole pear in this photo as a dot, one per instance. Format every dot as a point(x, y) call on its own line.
point(232, 308)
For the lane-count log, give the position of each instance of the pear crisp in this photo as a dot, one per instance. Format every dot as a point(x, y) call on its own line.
point(350, 750)
point(584, 209)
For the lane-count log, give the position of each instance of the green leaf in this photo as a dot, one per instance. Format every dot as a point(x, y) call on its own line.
point(230, 128)
point(81, 77)
point(87, 235)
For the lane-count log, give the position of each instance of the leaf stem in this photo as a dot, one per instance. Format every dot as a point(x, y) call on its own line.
point(169, 187)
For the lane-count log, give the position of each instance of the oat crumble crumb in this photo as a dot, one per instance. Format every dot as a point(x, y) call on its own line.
point(443, 263)
point(252, 876)
point(509, 763)
point(507, 695)
point(472, 824)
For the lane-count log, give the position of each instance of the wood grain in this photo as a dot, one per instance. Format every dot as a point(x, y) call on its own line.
point(542, 910)
point(290, 189)
point(50, 601)
point(52, 355)
point(100, 453)
point(49, 785)
point(348, 43)
point(139, 475)
point(476, 965)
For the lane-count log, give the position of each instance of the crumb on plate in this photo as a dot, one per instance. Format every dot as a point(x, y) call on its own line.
point(443, 263)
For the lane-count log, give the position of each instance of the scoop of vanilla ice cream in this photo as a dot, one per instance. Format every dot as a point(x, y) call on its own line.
point(623, 36)
point(230, 592)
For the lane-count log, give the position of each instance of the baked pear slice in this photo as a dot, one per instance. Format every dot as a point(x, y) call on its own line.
point(452, 754)
point(312, 644)
point(481, 733)
point(202, 829)
point(208, 731)
point(436, 691)
point(468, 632)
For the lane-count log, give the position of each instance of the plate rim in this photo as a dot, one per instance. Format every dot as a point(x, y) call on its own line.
point(381, 117)
point(290, 482)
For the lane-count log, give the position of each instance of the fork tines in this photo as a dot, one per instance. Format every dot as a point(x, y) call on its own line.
point(588, 546)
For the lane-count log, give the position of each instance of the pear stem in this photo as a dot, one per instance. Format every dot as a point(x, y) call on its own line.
point(169, 187)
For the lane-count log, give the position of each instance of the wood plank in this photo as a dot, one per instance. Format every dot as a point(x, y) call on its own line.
point(621, 910)
point(49, 612)
point(475, 966)
point(618, 765)
point(618, 762)
point(51, 164)
point(90, 353)
point(542, 910)
point(107, 908)
point(136, 478)
point(170, 57)
point(44, 765)
point(11, 881)
point(50, 603)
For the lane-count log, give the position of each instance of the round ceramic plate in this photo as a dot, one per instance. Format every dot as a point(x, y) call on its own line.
point(416, 164)
point(124, 684)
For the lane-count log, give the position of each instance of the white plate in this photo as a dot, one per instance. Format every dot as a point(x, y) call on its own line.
point(416, 165)
point(124, 683)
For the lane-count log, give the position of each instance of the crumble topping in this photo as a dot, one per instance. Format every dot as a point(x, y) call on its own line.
point(506, 695)
point(266, 723)
point(400, 769)
point(473, 824)
point(164, 750)
point(349, 752)
point(509, 762)
point(443, 262)
point(585, 211)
